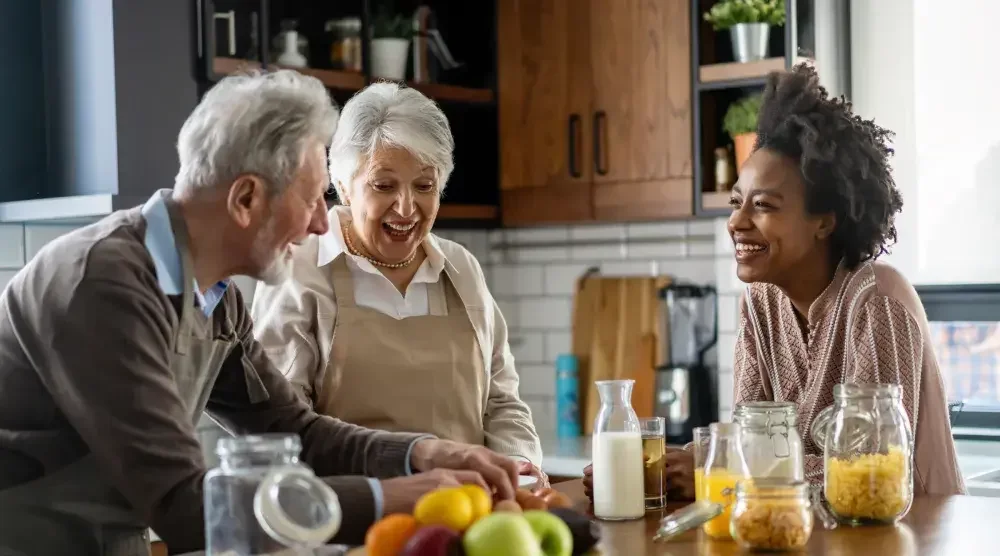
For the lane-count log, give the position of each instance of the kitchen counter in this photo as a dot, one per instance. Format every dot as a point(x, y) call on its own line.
point(935, 526)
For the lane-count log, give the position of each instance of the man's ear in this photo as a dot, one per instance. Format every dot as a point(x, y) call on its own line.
point(246, 198)
point(827, 224)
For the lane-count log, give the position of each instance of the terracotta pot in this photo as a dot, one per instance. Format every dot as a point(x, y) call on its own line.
point(743, 144)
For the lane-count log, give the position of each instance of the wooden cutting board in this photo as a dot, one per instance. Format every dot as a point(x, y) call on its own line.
point(616, 323)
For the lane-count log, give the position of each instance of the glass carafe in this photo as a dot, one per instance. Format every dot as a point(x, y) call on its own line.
point(725, 466)
point(262, 500)
point(867, 444)
point(771, 441)
point(617, 454)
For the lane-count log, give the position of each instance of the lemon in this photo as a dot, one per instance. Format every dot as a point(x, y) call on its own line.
point(482, 502)
point(450, 507)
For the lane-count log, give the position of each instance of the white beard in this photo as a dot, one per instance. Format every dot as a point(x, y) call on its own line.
point(274, 266)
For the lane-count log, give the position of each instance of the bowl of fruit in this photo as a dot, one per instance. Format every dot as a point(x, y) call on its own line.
point(464, 521)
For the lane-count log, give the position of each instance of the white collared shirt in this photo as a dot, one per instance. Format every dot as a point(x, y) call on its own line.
point(424, 295)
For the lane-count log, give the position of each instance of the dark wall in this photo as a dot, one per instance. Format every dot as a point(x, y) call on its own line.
point(22, 101)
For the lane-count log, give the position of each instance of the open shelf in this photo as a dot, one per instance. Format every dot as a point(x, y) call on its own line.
point(354, 81)
point(469, 212)
point(715, 200)
point(333, 79)
point(736, 71)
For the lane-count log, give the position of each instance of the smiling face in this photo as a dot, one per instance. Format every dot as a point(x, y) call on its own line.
point(292, 216)
point(772, 231)
point(394, 200)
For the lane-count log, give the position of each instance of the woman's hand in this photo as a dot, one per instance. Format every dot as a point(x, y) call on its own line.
point(528, 468)
point(588, 481)
point(679, 474)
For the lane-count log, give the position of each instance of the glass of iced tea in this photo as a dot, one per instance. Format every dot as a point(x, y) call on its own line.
point(654, 448)
point(701, 439)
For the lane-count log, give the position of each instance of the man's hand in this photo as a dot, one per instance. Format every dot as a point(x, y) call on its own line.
point(499, 471)
point(679, 474)
point(528, 468)
point(400, 494)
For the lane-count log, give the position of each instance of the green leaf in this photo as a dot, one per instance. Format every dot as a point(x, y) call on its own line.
point(726, 13)
point(741, 117)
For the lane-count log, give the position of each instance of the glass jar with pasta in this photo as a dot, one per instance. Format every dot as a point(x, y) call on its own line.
point(772, 514)
point(867, 443)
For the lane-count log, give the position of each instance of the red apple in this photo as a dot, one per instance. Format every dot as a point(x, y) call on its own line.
point(433, 540)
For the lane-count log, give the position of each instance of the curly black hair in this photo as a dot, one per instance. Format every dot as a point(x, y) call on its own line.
point(843, 158)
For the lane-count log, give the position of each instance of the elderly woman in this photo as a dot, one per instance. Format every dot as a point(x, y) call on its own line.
point(813, 208)
point(385, 324)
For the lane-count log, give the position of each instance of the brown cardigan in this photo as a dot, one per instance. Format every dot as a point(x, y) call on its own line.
point(868, 326)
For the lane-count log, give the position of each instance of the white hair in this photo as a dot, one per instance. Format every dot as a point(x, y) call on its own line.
point(387, 115)
point(254, 123)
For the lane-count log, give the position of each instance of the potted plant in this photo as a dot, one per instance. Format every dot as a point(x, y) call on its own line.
point(749, 23)
point(740, 122)
point(390, 44)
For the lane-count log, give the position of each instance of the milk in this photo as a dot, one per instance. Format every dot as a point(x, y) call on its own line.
point(618, 478)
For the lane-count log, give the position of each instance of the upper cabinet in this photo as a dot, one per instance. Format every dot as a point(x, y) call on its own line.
point(107, 85)
point(595, 111)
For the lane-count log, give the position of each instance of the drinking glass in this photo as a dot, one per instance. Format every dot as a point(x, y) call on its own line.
point(700, 447)
point(654, 448)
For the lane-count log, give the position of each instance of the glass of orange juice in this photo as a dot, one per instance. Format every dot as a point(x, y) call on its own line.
point(700, 447)
point(725, 465)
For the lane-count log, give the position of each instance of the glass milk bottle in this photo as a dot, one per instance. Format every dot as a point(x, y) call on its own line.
point(262, 500)
point(725, 466)
point(617, 454)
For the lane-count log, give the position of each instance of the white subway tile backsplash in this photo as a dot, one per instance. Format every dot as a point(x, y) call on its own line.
point(509, 310)
point(535, 255)
point(656, 230)
point(537, 235)
point(528, 346)
point(583, 233)
point(543, 414)
point(11, 246)
point(725, 275)
point(560, 279)
point(597, 253)
point(511, 280)
point(656, 250)
point(725, 391)
point(536, 380)
point(37, 236)
point(728, 312)
point(723, 241)
point(727, 350)
point(701, 227)
point(700, 248)
point(697, 271)
point(546, 312)
point(556, 344)
point(631, 268)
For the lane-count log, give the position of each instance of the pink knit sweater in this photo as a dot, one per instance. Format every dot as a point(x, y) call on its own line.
point(868, 326)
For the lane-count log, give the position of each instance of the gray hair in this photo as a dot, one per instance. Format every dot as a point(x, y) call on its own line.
point(387, 115)
point(257, 124)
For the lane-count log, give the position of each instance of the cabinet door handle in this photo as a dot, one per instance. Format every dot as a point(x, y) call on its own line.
point(600, 131)
point(574, 131)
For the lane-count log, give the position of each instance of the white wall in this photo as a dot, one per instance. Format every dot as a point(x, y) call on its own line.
point(924, 71)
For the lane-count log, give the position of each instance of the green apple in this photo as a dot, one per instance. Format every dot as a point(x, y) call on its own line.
point(501, 534)
point(552, 532)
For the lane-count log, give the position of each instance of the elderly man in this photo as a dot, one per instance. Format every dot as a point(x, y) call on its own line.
point(116, 337)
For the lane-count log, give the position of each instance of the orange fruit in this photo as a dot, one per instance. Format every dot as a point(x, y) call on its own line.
point(389, 534)
point(482, 502)
point(451, 507)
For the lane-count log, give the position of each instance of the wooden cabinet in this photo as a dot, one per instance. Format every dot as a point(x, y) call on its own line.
point(594, 106)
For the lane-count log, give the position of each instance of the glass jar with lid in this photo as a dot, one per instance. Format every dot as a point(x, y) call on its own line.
point(262, 500)
point(867, 444)
point(771, 441)
point(772, 514)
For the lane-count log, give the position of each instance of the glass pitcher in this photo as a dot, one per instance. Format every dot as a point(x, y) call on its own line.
point(262, 500)
point(725, 466)
point(771, 441)
point(868, 453)
point(617, 454)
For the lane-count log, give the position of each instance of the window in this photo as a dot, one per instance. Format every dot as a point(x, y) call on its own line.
point(965, 332)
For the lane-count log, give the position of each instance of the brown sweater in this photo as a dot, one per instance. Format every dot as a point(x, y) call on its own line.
point(868, 326)
point(86, 339)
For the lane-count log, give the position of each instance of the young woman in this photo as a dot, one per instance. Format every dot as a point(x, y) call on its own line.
point(813, 208)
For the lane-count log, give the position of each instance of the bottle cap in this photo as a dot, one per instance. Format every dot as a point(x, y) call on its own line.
point(566, 362)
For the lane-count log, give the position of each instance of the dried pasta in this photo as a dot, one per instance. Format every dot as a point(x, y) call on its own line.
point(773, 524)
point(869, 486)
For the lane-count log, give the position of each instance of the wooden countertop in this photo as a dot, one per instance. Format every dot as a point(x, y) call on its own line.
point(935, 526)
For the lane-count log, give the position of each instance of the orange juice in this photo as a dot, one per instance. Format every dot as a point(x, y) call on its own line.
point(699, 478)
point(715, 484)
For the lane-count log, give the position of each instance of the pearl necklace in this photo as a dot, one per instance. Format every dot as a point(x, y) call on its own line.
point(354, 251)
